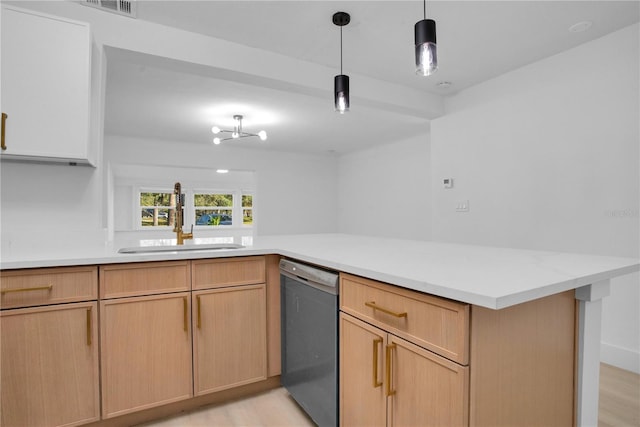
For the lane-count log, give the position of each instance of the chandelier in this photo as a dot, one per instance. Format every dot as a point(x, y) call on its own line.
point(237, 132)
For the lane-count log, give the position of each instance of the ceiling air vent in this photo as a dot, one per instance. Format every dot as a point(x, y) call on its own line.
point(121, 7)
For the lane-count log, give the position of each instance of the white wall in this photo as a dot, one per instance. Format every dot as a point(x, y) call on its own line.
point(386, 190)
point(295, 193)
point(548, 157)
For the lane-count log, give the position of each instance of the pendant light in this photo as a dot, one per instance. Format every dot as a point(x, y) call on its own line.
point(425, 41)
point(341, 81)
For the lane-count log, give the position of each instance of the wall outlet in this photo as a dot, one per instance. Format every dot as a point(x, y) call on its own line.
point(462, 206)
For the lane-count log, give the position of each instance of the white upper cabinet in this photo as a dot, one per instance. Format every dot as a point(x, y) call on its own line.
point(46, 88)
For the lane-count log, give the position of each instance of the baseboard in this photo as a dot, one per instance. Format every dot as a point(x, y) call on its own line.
point(620, 357)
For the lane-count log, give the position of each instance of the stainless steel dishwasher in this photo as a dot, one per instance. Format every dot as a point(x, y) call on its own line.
point(309, 297)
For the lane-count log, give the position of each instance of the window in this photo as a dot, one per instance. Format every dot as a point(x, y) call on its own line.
point(213, 209)
point(205, 209)
point(156, 209)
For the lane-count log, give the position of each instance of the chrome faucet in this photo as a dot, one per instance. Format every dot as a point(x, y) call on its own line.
point(179, 217)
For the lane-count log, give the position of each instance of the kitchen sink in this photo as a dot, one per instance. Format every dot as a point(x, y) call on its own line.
point(179, 248)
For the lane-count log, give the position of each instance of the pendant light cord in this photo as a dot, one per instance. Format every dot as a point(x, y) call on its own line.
point(340, 50)
point(424, 4)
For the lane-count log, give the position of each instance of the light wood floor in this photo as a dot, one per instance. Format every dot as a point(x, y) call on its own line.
point(619, 407)
point(619, 398)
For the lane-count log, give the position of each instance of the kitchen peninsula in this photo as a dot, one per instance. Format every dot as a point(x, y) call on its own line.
point(486, 280)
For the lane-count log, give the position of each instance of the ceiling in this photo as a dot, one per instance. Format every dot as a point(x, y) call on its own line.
point(477, 41)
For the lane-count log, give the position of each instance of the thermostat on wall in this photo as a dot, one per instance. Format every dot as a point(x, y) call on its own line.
point(447, 183)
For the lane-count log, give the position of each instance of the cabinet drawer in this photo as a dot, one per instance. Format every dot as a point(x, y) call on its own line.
point(215, 273)
point(146, 278)
point(437, 324)
point(24, 288)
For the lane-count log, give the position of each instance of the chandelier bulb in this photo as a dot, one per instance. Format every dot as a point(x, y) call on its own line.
point(262, 135)
point(216, 141)
point(215, 129)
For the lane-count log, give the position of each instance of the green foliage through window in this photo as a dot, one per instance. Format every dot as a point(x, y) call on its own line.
point(156, 209)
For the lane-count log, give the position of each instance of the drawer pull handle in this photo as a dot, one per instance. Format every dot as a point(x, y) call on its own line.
point(390, 348)
point(373, 305)
point(185, 306)
point(3, 145)
point(376, 383)
point(38, 288)
point(89, 329)
point(199, 319)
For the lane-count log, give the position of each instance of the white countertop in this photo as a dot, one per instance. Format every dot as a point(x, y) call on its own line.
point(486, 276)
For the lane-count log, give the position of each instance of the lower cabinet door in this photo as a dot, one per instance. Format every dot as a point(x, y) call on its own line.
point(49, 360)
point(230, 337)
point(388, 381)
point(362, 384)
point(146, 352)
point(426, 389)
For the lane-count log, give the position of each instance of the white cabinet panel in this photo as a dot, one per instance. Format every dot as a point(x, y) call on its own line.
point(46, 77)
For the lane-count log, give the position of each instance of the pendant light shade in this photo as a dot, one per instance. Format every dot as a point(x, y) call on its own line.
point(341, 81)
point(341, 93)
point(426, 48)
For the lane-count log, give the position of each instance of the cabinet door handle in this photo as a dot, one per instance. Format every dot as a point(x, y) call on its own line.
point(390, 348)
point(4, 125)
point(198, 320)
point(37, 288)
point(89, 328)
point(185, 306)
point(373, 305)
point(376, 342)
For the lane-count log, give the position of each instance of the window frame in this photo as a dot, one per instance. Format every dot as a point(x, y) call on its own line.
point(237, 210)
point(232, 208)
point(137, 220)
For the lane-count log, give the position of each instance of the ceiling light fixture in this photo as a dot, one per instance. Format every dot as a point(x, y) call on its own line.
point(425, 41)
point(237, 132)
point(341, 81)
point(580, 27)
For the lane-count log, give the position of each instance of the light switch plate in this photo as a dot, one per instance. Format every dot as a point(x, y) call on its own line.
point(447, 182)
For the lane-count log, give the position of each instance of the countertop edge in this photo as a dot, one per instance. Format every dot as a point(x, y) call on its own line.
point(496, 302)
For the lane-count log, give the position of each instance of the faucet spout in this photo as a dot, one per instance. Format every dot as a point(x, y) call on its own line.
point(181, 236)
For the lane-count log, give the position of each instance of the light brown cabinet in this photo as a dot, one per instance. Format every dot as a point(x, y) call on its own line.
point(157, 341)
point(229, 322)
point(49, 353)
point(408, 359)
point(402, 357)
point(145, 336)
point(230, 340)
point(146, 352)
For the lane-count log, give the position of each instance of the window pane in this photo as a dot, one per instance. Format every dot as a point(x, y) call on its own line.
point(213, 200)
point(156, 209)
point(247, 216)
point(214, 217)
point(247, 201)
point(153, 217)
point(155, 199)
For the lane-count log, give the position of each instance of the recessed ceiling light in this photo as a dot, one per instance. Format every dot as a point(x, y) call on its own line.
point(580, 26)
point(444, 85)
point(222, 170)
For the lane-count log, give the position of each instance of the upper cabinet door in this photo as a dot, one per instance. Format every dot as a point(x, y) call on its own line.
point(46, 87)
